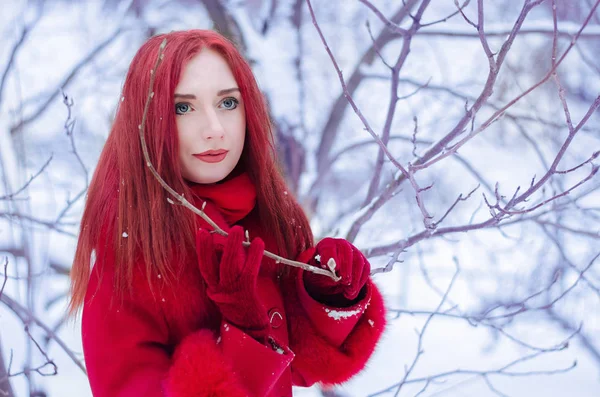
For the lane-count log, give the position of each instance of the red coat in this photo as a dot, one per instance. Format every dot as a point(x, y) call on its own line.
point(174, 343)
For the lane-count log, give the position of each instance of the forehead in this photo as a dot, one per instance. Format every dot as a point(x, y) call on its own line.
point(206, 71)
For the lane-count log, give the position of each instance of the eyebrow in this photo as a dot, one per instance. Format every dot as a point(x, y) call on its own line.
point(220, 93)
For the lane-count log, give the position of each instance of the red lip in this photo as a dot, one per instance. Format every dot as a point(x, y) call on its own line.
point(211, 152)
point(212, 156)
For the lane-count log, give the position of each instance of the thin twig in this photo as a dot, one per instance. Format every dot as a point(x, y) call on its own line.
point(439, 148)
point(381, 142)
point(69, 127)
point(424, 329)
point(389, 24)
point(25, 316)
point(82, 63)
point(452, 149)
point(5, 278)
point(10, 196)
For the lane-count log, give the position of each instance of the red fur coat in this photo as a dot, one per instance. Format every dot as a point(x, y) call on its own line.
point(174, 342)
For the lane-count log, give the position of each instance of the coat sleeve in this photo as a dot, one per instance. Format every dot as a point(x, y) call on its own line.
point(331, 344)
point(127, 349)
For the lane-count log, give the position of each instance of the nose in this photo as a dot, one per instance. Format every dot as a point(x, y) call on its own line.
point(213, 129)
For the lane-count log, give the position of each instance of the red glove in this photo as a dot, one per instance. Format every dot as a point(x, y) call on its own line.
point(231, 278)
point(351, 266)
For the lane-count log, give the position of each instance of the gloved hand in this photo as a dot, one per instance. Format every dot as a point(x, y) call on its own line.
point(351, 266)
point(231, 277)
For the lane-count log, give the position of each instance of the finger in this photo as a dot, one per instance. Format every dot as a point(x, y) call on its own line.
point(254, 258)
point(219, 242)
point(206, 256)
point(307, 256)
point(357, 265)
point(233, 256)
point(360, 274)
point(327, 249)
point(366, 270)
point(346, 261)
point(341, 251)
point(354, 285)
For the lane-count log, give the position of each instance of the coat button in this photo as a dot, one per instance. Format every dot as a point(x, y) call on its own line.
point(275, 318)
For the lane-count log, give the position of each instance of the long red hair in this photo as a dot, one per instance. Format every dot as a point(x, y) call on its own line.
point(124, 197)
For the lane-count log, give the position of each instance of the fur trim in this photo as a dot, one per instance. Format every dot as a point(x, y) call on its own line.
point(200, 370)
point(318, 361)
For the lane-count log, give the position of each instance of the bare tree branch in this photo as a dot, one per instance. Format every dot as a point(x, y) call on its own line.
point(440, 147)
point(11, 196)
point(25, 316)
point(395, 71)
point(72, 74)
point(18, 45)
point(330, 130)
point(224, 22)
point(424, 329)
point(501, 31)
point(5, 276)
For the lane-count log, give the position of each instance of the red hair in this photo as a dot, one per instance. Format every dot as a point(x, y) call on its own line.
point(124, 197)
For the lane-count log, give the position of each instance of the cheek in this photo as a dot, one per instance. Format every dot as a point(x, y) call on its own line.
point(241, 127)
point(183, 136)
point(240, 137)
point(235, 126)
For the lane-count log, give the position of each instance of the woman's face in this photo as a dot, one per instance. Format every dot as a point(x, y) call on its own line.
point(211, 121)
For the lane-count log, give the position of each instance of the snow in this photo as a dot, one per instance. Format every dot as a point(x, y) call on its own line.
point(343, 314)
point(279, 350)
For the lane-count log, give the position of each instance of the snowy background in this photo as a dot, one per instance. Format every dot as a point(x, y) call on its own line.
point(522, 316)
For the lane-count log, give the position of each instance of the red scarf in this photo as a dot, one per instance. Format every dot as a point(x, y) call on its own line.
point(234, 196)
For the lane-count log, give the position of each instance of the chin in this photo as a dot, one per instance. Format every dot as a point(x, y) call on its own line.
point(207, 179)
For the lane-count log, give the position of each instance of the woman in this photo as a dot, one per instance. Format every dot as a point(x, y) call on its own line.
point(171, 309)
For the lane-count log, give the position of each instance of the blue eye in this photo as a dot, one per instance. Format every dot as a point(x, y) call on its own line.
point(230, 103)
point(182, 108)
